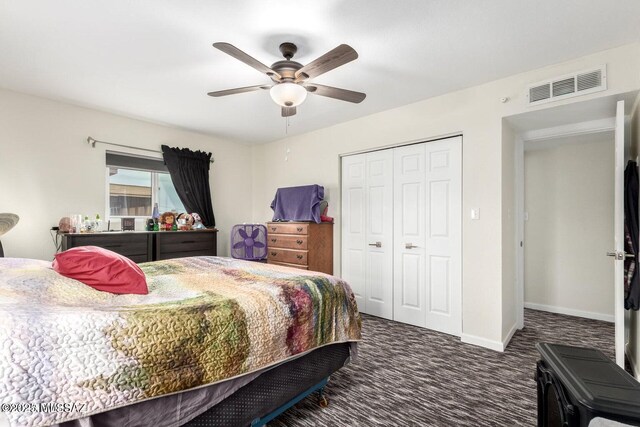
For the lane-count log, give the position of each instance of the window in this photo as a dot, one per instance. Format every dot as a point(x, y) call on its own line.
point(135, 184)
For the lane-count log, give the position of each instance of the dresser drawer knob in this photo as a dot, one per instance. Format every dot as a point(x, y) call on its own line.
point(299, 229)
point(274, 253)
point(299, 256)
point(274, 228)
point(299, 241)
point(273, 240)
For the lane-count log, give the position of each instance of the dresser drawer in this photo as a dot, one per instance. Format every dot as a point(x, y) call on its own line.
point(287, 241)
point(302, 267)
point(135, 246)
point(286, 228)
point(178, 244)
point(287, 255)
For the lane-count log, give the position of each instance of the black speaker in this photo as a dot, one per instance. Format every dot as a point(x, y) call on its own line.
point(577, 384)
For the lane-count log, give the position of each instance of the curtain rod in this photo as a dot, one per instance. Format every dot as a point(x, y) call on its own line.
point(94, 141)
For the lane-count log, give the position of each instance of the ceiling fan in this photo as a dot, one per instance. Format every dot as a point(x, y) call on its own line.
point(291, 79)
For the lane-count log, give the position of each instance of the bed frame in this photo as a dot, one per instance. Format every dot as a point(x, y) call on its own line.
point(278, 389)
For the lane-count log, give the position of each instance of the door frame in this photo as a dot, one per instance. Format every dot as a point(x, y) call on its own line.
point(572, 129)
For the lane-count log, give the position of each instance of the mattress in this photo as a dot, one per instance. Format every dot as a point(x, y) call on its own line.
point(237, 401)
point(68, 351)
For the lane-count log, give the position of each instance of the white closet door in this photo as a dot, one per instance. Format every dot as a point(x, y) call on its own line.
point(444, 231)
point(379, 235)
point(353, 226)
point(409, 235)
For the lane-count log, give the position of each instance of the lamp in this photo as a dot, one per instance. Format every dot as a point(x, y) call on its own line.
point(7, 222)
point(288, 94)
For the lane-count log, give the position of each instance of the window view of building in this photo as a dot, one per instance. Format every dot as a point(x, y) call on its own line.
point(129, 192)
point(134, 192)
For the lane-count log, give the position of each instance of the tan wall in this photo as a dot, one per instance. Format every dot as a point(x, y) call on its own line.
point(508, 232)
point(569, 202)
point(47, 169)
point(476, 113)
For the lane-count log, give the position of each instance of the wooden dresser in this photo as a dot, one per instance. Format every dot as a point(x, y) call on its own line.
point(144, 246)
point(305, 245)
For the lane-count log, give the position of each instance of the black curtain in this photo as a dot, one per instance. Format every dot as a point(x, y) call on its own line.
point(189, 172)
point(632, 276)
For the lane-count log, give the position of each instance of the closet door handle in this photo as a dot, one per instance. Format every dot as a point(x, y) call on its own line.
point(409, 246)
point(376, 244)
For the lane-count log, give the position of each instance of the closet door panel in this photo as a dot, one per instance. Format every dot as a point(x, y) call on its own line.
point(379, 233)
point(444, 228)
point(354, 226)
point(409, 234)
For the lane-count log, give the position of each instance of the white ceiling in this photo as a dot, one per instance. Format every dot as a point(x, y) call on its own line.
point(154, 59)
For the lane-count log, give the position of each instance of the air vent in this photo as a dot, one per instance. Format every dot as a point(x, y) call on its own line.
point(590, 80)
point(540, 93)
point(564, 87)
point(568, 86)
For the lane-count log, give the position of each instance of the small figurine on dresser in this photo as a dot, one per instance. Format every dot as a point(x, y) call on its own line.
point(185, 221)
point(197, 222)
point(168, 220)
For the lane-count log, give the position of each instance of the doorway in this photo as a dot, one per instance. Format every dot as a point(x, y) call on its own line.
point(599, 115)
point(568, 223)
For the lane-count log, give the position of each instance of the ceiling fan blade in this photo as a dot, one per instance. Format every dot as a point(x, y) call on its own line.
point(288, 111)
point(327, 62)
point(237, 90)
point(230, 49)
point(336, 93)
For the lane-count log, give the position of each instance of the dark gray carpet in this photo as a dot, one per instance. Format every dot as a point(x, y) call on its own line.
point(407, 376)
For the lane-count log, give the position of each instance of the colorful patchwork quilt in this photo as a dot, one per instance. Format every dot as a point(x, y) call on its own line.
point(68, 351)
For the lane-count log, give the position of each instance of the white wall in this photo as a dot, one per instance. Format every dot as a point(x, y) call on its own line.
point(475, 112)
point(569, 202)
point(47, 169)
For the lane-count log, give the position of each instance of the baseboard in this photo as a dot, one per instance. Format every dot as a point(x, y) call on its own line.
point(570, 312)
point(482, 342)
point(634, 365)
point(510, 334)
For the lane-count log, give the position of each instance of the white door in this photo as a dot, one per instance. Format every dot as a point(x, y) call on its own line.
point(618, 224)
point(409, 235)
point(353, 226)
point(379, 233)
point(444, 235)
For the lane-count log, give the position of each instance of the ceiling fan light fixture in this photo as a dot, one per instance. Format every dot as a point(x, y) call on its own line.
point(288, 94)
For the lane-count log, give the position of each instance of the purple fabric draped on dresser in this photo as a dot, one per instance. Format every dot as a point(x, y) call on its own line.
point(298, 203)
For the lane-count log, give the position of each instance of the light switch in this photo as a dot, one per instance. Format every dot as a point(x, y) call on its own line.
point(475, 213)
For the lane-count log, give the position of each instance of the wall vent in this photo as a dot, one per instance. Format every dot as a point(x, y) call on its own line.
point(568, 86)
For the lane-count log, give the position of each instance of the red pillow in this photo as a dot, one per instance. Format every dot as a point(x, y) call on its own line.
point(101, 269)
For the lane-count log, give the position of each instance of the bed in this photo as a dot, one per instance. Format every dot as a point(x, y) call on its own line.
point(209, 332)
